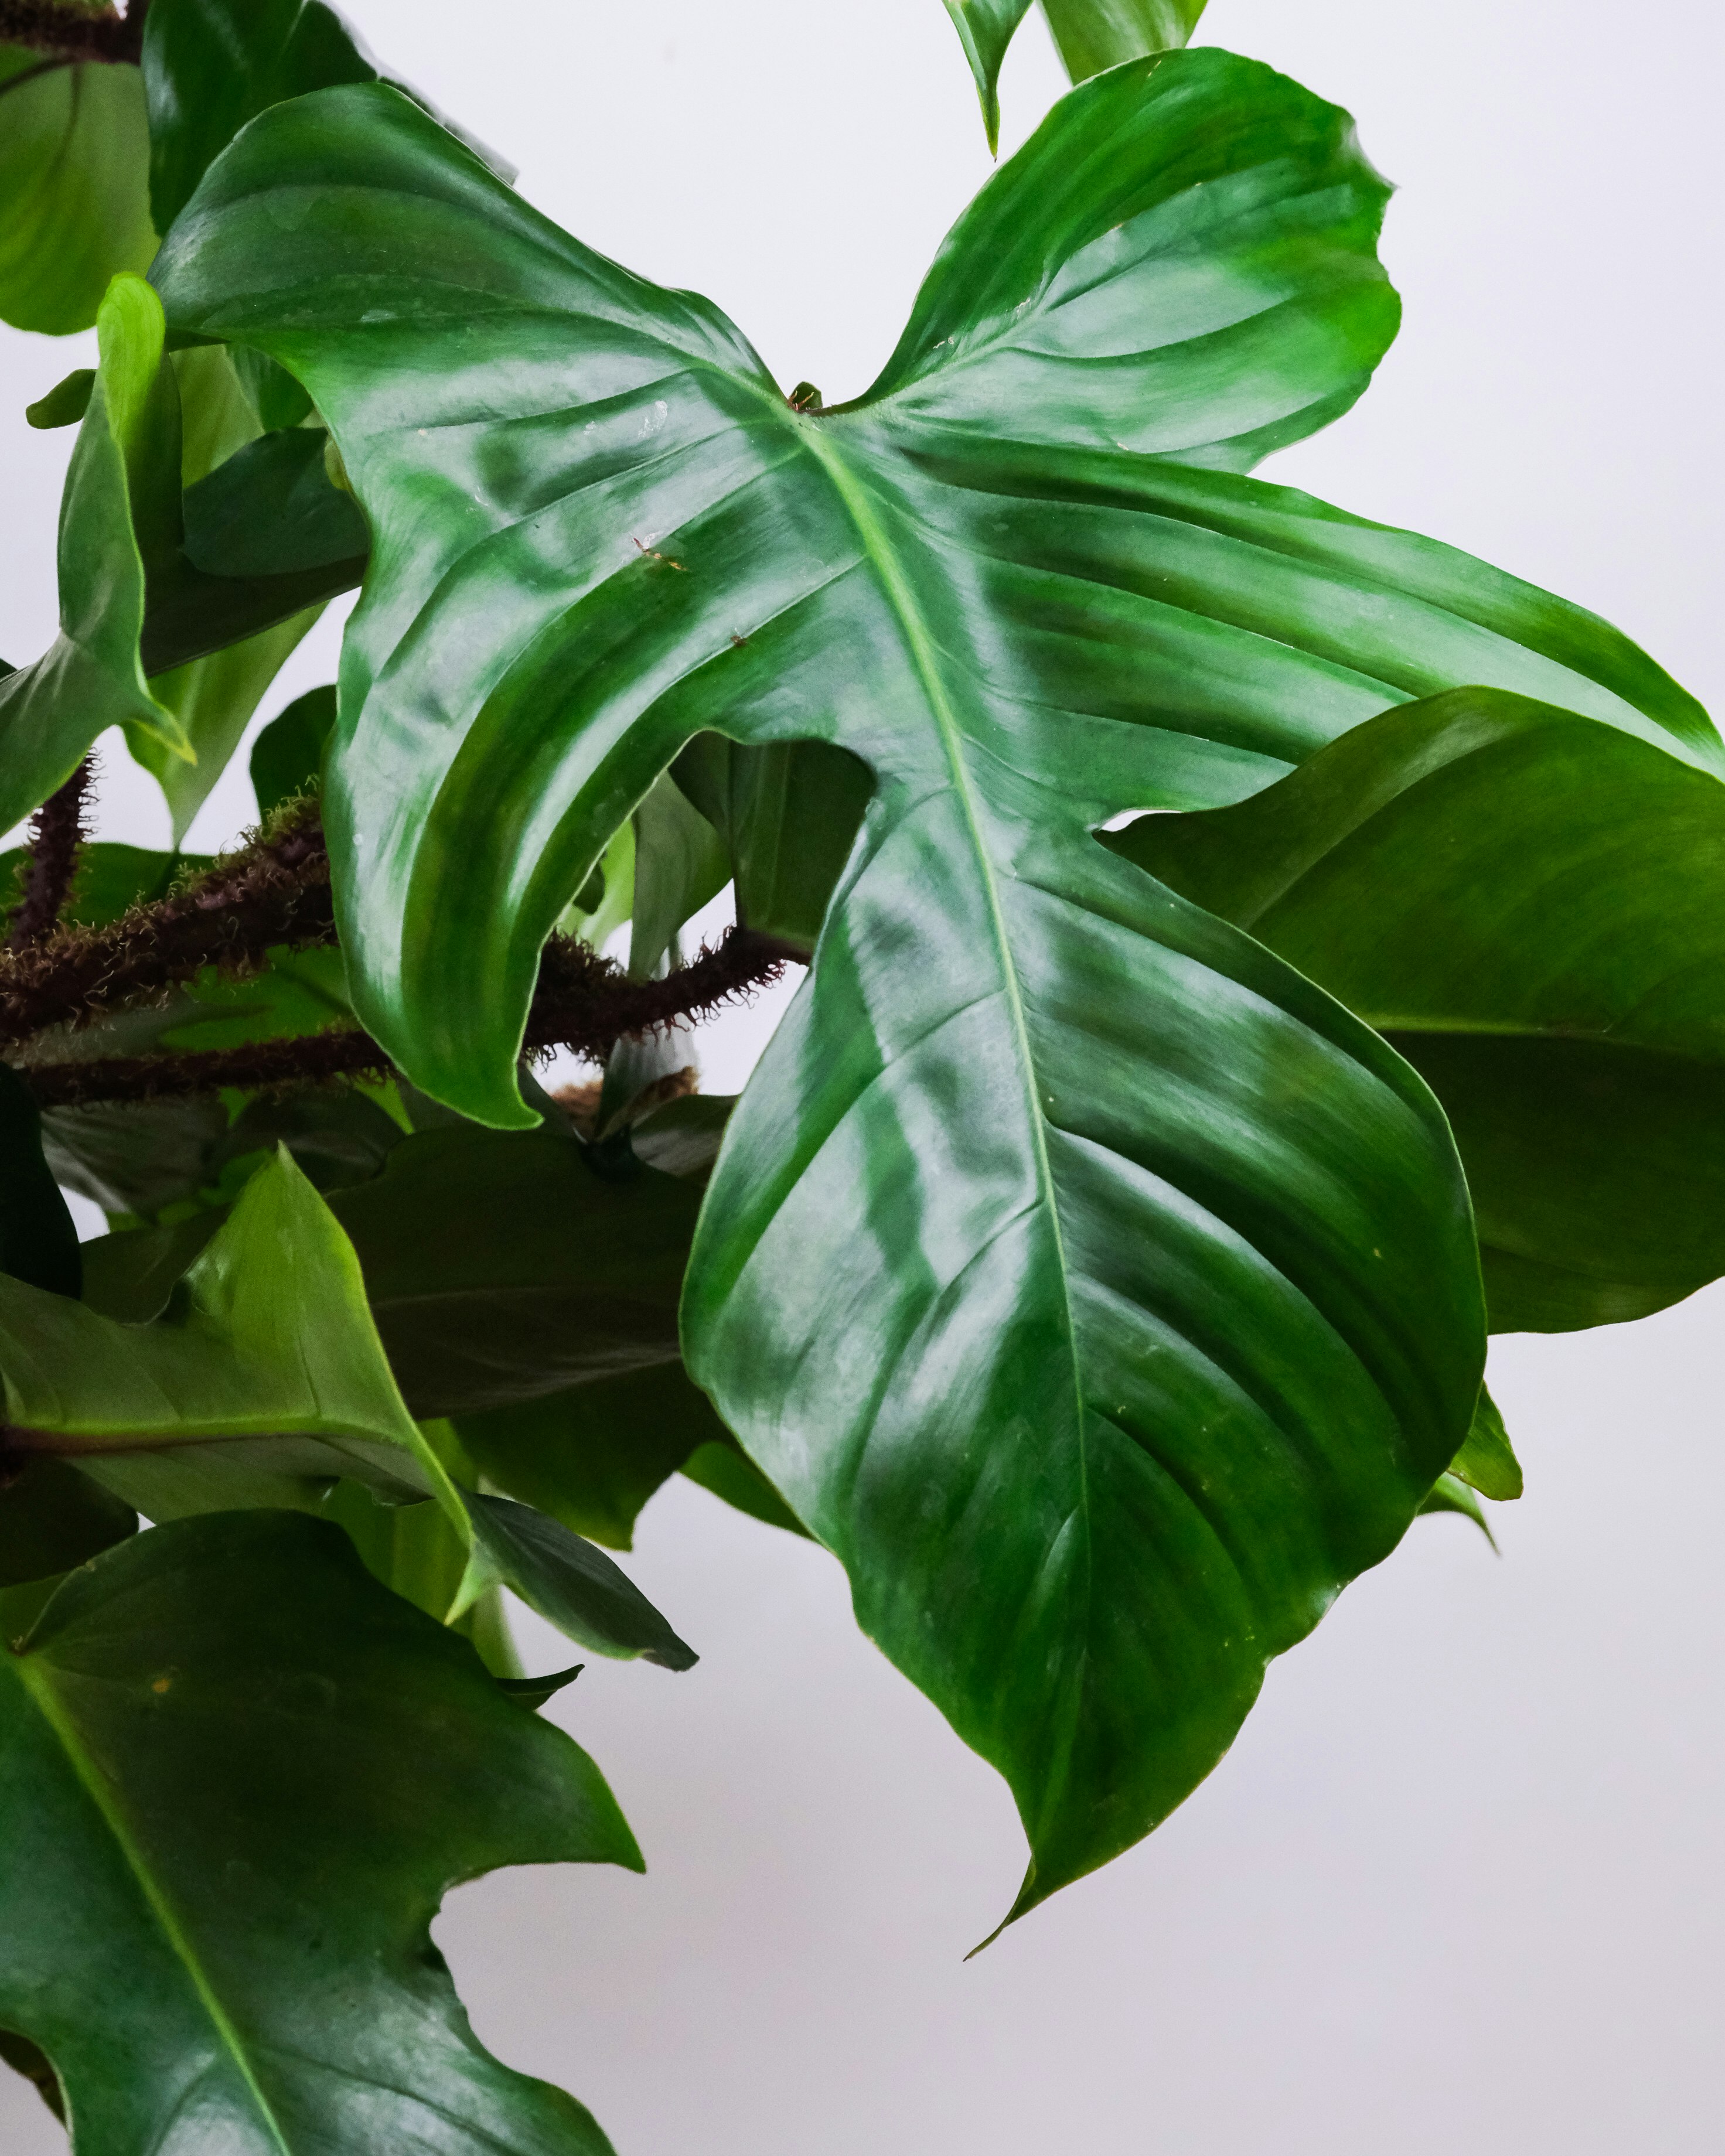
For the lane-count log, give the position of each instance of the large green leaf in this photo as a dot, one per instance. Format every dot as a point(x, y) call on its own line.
point(73, 199)
point(237, 1777)
point(1095, 1287)
point(1532, 907)
point(121, 511)
point(1199, 283)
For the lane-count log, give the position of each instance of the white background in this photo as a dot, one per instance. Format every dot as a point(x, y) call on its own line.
point(1459, 1885)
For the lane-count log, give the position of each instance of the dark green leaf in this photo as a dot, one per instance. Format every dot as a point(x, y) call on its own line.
point(592, 1456)
point(1486, 1461)
point(32, 2061)
point(788, 816)
point(212, 65)
point(501, 1268)
point(295, 1766)
point(1090, 1282)
point(287, 758)
point(534, 1692)
point(38, 1241)
point(73, 208)
point(729, 1473)
point(418, 1552)
point(1532, 907)
point(271, 511)
point(276, 397)
point(66, 403)
point(53, 1517)
point(571, 1584)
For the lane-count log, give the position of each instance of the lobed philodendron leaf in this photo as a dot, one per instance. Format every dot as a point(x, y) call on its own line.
point(1532, 908)
point(237, 1778)
point(121, 511)
point(73, 206)
point(1094, 1286)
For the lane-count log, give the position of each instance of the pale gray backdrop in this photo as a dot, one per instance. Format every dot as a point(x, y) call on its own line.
point(1458, 1886)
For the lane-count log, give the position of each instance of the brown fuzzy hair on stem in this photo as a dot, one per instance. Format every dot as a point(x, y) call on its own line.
point(57, 836)
point(582, 1002)
point(61, 30)
point(277, 892)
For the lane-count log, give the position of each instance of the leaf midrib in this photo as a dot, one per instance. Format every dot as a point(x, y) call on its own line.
point(902, 601)
point(94, 1783)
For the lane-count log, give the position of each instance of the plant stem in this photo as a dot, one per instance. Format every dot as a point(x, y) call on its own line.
point(57, 834)
point(583, 1003)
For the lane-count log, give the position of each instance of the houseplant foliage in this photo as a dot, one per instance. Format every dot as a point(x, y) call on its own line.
point(1100, 1260)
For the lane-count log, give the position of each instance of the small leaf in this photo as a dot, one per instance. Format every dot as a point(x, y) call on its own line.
point(1449, 1494)
point(287, 757)
point(121, 511)
point(534, 1692)
point(223, 1927)
point(680, 864)
point(74, 210)
point(985, 29)
point(1486, 1461)
point(66, 403)
point(571, 1584)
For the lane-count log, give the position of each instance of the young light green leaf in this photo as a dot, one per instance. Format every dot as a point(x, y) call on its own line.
point(252, 1773)
point(680, 864)
point(1532, 908)
point(73, 206)
point(1486, 1461)
point(265, 1345)
point(1451, 1494)
point(120, 515)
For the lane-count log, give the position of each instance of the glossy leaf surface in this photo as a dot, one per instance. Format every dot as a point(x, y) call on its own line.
point(1175, 634)
point(1091, 1284)
point(1532, 907)
point(237, 1777)
point(74, 207)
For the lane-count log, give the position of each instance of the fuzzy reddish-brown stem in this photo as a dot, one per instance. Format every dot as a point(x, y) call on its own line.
point(582, 1002)
point(231, 918)
point(57, 836)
